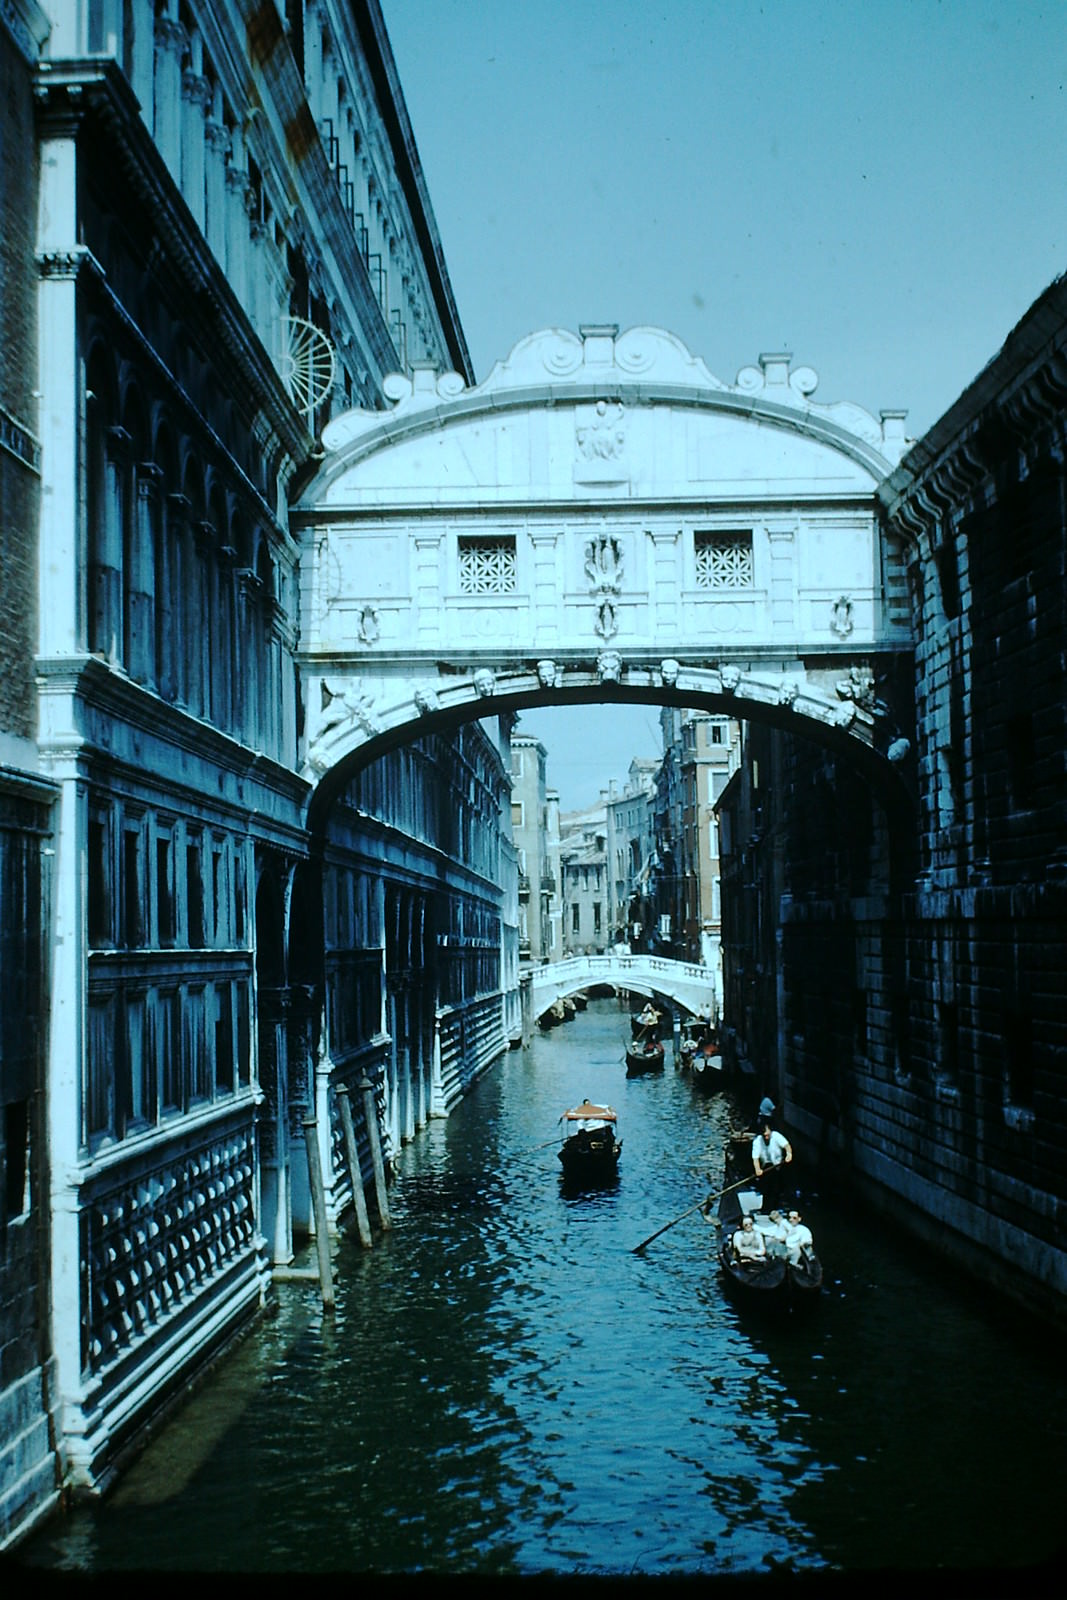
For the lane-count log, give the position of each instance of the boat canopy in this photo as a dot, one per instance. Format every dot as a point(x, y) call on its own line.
point(585, 1111)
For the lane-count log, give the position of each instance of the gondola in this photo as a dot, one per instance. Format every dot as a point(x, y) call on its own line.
point(706, 1066)
point(591, 1148)
point(644, 1057)
point(775, 1283)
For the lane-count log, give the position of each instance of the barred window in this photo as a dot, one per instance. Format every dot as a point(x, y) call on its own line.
point(487, 566)
point(723, 560)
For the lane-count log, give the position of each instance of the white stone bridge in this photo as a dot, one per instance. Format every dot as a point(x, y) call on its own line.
point(687, 984)
point(600, 520)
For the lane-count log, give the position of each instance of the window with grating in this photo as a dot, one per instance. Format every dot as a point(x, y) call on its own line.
point(723, 560)
point(486, 566)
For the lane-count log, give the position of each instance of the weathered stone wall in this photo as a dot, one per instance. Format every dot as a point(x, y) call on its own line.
point(921, 1046)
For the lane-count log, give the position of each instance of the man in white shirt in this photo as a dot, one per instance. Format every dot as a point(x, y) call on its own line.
point(771, 1153)
point(798, 1239)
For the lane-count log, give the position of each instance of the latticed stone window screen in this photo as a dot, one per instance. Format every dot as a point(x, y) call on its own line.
point(487, 566)
point(724, 560)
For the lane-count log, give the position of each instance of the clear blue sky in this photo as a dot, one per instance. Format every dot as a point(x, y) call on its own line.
point(880, 188)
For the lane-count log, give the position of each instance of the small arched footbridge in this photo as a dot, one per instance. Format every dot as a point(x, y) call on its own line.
point(684, 982)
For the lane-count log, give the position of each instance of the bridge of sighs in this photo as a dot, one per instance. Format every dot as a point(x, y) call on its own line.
point(600, 519)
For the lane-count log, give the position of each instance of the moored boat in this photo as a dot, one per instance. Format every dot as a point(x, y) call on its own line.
point(706, 1065)
point(591, 1147)
point(644, 1056)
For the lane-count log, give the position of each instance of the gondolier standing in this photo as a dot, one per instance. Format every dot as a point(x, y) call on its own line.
point(771, 1152)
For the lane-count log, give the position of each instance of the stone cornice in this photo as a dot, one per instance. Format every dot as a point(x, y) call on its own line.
point(97, 683)
point(27, 24)
point(1017, 396)
point(70, 92)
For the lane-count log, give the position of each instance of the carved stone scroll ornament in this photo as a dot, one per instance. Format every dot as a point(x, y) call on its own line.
point(841, 617)
point(547, 674)
point(609, 666)
point(607, 620)
point(343, 705)
point(603, 564)
point(369, 625)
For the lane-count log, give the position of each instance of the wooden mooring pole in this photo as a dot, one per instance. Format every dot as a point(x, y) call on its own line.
point(318, 1203)
point(370, 1113)
point(359, 1199)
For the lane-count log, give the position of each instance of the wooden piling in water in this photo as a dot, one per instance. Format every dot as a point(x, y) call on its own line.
point(318, 1204)
point(370, 1113)
point(359, 1199)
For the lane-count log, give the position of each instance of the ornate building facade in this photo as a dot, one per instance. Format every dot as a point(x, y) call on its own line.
point(220, 236)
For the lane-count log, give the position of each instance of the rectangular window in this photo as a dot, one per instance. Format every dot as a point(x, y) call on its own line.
point(716, 733)
point(1021, 758)
point(140, 1089)
point(244, 1036)
point(193, 1042)
point(723, 560)
point(99, 908)
point(164, 891)
point(576, 917)
point(168, 1051)
point(1019, 1054)
point(223, 1039)
point(100, 1100)
point(947, 1068)
point(487, 566)
point(132, 890)
point(16, 1159)
point(239, 899)
point(194, 893)
point(597, 913)
point(517, 813)
point(218, 891)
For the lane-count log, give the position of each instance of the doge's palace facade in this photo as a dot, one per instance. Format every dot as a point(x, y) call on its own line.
point(226, 238)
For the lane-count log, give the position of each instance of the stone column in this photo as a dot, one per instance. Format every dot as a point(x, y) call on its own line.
point(196, 100)
point(170, 44)
point(141, 602)
point(781, 586)
point(665, 584)
point(216, 204)
point(427, 587)
point(547, 586)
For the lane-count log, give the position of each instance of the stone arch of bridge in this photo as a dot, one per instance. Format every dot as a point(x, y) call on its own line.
point(869, 742)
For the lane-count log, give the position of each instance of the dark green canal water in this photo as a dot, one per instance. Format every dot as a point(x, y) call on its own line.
point(506, 1387)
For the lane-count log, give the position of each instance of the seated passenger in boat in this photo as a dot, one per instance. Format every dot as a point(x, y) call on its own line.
point(748, 1242)
point(798, 1239)
point(775, 1231)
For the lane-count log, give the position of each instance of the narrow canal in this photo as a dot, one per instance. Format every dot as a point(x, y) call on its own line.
point(507, 1387)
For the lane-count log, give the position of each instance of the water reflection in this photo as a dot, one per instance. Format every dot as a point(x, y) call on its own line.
point(507, 1387)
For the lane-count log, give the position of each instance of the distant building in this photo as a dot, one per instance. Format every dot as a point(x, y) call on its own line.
point(530, 828)
point(583, 880)
point(629, 847)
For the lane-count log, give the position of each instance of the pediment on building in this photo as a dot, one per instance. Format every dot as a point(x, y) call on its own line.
point(598, 416)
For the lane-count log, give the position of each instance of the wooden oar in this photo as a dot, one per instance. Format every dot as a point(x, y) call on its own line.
point(688, 1213)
